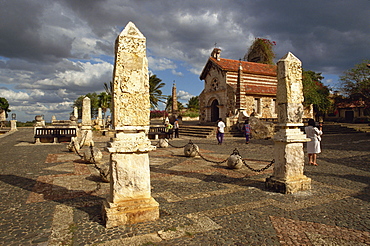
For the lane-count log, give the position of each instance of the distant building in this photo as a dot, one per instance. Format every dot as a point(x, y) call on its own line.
point(235, 89)
point(233, 86)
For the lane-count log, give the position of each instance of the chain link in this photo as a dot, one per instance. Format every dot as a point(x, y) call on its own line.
point(235, 152)
point(102, 174)
point(259, 170)
point(77, 152)
point(190, 142)
point(84, 139)
point(216, 162)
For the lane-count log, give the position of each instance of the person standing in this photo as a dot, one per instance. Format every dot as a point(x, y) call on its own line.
point(220, 131)
point(169, 130)
point(313, 146)
point(176, 127)
point(247, 131)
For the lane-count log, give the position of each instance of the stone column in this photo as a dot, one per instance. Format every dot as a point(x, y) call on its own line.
point(287, 176)
point(13, 125)
point(174, 100)
point(86, 131)
point(130, 199)
point(75, 112)
point(100, 117)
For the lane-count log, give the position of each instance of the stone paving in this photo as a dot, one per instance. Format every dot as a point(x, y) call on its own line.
point(50, 197)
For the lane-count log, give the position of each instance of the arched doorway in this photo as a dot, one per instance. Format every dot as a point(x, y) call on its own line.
point(214, 111)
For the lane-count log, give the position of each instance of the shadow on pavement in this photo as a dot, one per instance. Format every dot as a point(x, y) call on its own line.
point(78, 199)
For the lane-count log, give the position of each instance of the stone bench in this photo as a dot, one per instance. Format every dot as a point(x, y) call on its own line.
point(157, 132)
point(54, 133)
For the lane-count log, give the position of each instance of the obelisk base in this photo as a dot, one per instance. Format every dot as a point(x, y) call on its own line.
point(130, 212)
point(288, 186)
point(87, 136)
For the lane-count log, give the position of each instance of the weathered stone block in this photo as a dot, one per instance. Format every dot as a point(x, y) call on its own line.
point(130, 211)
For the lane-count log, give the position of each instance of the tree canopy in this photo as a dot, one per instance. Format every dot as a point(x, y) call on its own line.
point(356, 81)
point(94, 100)
point(261, 51)
point(169, 104)
point(4, 105)
point(104, 103)
point(193, 103)
point(315, 92)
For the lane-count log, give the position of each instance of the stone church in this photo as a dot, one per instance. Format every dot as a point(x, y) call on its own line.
point(234, 88)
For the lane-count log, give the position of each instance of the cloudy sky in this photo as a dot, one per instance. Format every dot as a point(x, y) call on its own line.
point(53, 51)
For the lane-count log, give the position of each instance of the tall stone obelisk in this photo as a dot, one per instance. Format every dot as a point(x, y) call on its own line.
point(86, 126)
point(174, 100)
point(287, 176)
point(130, 199)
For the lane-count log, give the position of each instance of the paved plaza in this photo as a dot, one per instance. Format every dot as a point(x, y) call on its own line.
point(49, 196)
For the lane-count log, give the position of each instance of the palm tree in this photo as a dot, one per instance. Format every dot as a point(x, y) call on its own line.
point(104, 101)
point(193, 103)
point(108, 88)
point(155, 92)
point(169, 104)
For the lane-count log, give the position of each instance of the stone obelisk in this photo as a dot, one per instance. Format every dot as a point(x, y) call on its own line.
point(174, 100)
point(287, 176)
point(100, 117)
point(130, 199)
point(75, 112)
point(86, 126)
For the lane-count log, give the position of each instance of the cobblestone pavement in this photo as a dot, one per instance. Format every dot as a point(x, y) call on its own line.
point(50, 197)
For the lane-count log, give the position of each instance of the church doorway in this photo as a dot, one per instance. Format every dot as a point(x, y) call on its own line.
point(214, 111)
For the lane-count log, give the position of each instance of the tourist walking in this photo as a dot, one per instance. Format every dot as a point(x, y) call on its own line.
point(313, 146)
point(176, 127)
point(220, 131)
point(247, 131)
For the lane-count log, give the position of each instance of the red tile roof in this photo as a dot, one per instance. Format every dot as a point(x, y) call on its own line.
point(354, 104)
point(248, 67)
point(259, 89)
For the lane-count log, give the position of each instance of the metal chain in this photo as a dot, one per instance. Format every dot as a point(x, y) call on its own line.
point(259, 170)
point(84, 139)
point(216, 162)
point(102, 174)
point(190, 142)
point(77, 152)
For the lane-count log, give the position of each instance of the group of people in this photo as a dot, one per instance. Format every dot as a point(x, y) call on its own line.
point(312, 132)
point(170, 129)
point(221, 131)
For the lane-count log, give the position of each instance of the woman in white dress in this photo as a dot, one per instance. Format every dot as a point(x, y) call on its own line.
point(313, 146)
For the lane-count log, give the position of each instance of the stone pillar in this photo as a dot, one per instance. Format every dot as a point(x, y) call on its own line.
point(174, 100)
point(240, 90)
point(100, 117)
point(174, 108)
point(86, 131)
point(75, 112)
point(287, 176)
point(130, 199)
point(13, 125)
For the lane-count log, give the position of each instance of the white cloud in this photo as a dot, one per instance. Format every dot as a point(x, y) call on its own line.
point(183, 95)
point(174, 72)
point(160, 64)
point(13, 95)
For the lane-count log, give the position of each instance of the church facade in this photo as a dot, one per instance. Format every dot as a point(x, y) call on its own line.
point(232, 87)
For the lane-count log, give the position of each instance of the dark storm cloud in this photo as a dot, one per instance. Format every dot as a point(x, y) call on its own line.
point(325, 35)
point(20, 32)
